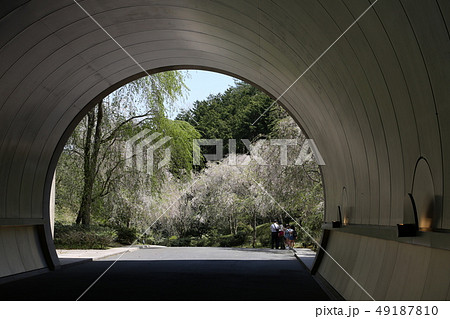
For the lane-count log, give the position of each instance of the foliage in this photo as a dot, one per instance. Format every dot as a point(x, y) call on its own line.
point(227, 203)
point(126, 236)
point(234, 114)
point(203, 241)
point(174, 241)
point(263, 235)
point(182, 146)
point(92, 176)
point(296, 186)
point(82, 237)
point(233, 240)
point(68, 181)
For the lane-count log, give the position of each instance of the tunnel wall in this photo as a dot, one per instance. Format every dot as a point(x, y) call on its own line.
point(376, 103)
point(20, 250)
point(386, 269)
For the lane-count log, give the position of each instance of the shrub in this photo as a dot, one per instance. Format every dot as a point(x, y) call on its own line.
point(244, 228)
point(126, 236)
point(233, 240)
point(147, 239)
point(198, 242)
point(263, 234)
point(161, 241)
point(174, 241)
point(204, 241)
point(313, 225)
point(82, 237)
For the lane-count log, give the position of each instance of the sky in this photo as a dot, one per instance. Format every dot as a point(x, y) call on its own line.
point(202, 84)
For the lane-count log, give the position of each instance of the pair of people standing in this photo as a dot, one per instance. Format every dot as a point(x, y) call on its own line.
point(282, 236)
point(290, 235)
point(275, 240)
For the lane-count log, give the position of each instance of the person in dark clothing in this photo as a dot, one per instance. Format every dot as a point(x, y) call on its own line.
point(274, 228)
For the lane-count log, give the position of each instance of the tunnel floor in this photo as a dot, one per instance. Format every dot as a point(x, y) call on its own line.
point(229, 274)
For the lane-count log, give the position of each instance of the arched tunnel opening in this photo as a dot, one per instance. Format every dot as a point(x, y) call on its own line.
point(252, 174)
point(365, 79)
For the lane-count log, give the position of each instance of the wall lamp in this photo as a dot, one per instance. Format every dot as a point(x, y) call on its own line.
point(338, 224)
point(409, 230)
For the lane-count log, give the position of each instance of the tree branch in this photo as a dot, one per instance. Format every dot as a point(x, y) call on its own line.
point(116, 130)
point(309, 176)
point(106, 185)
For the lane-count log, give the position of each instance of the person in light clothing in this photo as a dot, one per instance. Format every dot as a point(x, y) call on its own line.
point(281, 233)
point(293, 237)
point(287, 229)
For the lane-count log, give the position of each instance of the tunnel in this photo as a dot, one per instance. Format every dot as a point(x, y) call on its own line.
point(367, 80)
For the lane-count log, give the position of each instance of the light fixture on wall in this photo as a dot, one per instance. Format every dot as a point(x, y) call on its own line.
point(338, 224)
point(409, 230)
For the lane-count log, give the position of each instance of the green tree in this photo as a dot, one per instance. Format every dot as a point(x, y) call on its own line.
point(143, 102)
point(228, 198)
point(182, 146)
point(241, 112)
point(297, 186)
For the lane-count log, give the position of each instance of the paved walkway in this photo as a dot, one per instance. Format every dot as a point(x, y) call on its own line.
point(307, 256)
point(176, 274)
point(77, 256)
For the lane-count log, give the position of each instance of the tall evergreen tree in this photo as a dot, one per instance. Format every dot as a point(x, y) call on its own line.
point(241, 112)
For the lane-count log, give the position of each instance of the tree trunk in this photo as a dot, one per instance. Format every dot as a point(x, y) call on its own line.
point(91, 151)
point(254, 230)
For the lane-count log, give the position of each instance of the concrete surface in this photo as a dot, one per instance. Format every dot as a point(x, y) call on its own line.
point(306, 256)
point(75, 256)
point(388, 270)
point(176, 274)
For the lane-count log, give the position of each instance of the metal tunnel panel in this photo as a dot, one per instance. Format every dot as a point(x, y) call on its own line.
point(20, 249)
point(375, 103)
point(387, 270)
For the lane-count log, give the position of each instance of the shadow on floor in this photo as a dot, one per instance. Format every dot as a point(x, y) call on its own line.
point(174, 280)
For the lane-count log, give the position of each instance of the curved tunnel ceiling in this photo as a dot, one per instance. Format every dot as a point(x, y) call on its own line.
point(375, 103)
